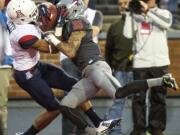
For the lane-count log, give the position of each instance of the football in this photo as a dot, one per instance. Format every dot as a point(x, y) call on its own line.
point(47, 24)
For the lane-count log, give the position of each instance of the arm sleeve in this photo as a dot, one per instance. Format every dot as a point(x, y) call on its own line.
point(109, 46)
point(27, 41)
point(98, 19)
point(161, 17)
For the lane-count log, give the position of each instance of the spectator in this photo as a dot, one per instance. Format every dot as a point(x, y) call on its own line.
point(118, 50)
point(95, 18)
point(5, 72)
point(151, 60)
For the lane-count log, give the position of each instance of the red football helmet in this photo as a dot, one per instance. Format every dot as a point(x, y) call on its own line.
point(47, 16)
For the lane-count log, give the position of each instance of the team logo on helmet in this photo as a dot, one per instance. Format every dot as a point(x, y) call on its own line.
point(22, 11)
point(19, 14)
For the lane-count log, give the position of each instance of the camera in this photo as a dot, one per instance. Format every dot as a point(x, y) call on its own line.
point(135, 6)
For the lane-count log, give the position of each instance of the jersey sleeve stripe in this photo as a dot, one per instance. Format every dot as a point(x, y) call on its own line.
point(27, 41)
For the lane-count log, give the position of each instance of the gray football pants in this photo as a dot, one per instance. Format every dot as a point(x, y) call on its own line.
point(96, 76)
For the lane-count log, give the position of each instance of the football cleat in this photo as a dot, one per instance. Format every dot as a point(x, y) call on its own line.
point(19, 133)
point(106, 126)
point(170, 82)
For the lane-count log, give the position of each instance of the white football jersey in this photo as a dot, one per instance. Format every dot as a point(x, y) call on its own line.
point(25, 57)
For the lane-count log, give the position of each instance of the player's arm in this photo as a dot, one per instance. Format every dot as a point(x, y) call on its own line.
point(69, 47)
point(43, 46)
point(31, 41)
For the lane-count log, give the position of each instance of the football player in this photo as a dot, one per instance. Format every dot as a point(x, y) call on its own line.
point(48, 19)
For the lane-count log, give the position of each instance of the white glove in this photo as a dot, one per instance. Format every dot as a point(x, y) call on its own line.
point(58, 31)
point(50, 38)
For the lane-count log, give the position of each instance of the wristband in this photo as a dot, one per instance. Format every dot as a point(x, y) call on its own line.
point(58, 31)
point(54, 40)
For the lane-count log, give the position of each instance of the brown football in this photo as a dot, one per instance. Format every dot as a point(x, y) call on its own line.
point(45, 24)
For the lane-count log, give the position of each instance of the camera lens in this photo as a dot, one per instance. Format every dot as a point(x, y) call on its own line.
point(135, 6)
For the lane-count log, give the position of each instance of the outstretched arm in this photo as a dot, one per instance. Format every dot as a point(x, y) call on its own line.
point(44, 46)
point(69, 47)
point(32, 41)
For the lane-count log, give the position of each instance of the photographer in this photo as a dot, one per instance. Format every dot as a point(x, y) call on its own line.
point(148, 25)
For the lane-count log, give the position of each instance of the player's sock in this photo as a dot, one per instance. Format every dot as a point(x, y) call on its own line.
point(130, 88)
point(31, 131)
point(74, 116)
point(154, 82)
point(93, 116)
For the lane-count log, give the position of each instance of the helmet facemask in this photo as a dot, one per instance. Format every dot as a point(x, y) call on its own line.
point(74, 7)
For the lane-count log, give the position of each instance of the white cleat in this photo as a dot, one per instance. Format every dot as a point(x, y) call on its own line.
point(19, 133)
point(106, 126)
point(170, 82)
